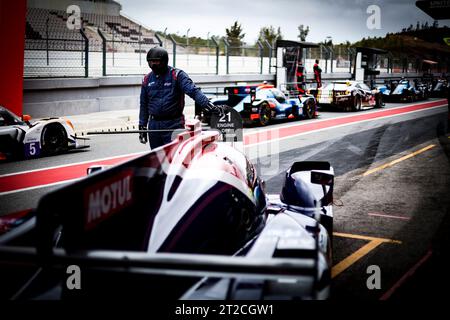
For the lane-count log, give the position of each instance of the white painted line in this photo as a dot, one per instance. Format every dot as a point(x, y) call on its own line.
point(338, 126)
point(302, 123)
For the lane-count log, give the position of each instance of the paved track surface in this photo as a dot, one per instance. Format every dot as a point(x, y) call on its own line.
point(391, 198)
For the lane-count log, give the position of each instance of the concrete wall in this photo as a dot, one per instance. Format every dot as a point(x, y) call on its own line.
point(58, 97)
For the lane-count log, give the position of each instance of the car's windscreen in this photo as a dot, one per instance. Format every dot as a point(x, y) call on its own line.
point(9, 119)
point(400, 88)
point(438, 86)
point(364, 86)
point(336, 86)
point(278, 95)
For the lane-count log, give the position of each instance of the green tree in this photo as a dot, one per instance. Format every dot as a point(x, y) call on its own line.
point(303, 32)
point(271, 35)
point(235, 35)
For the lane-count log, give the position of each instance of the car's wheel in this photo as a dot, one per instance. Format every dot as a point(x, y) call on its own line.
point(309, 109)
point(264, 114)
point(356, 103)
point(54, 139)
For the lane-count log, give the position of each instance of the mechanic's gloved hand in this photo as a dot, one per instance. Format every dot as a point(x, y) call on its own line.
point(143, 136)
point(217, 109)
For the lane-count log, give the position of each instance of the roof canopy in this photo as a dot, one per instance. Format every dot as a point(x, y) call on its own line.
point(300, 44)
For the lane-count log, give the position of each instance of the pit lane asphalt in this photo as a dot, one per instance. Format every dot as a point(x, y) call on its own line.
point(416, 188)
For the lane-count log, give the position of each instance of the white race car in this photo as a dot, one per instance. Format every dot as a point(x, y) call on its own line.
point(20, 137)
point(348, 95)
point(187, 220)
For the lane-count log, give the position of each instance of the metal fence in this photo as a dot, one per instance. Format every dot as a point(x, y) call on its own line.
point(109, 55)
point(54, 57)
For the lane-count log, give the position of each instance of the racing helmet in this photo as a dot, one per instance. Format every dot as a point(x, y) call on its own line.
point(160, 56)
point(296, 192)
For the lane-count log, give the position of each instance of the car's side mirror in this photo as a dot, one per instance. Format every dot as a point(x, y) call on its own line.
point(96, 168)
point(26, 117)
point(321, 178)
point(324, 179)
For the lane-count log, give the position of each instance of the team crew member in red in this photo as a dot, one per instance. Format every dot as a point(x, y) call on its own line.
point(317, 74)
point(162, 99)
point(300, 79)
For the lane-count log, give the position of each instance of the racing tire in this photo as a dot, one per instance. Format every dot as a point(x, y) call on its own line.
point(265, 114)
point(309, 109)
point(356, 103)
point(53, 139)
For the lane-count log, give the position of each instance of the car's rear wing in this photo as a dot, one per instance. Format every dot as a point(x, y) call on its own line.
point(245, 89)
point(173, 264)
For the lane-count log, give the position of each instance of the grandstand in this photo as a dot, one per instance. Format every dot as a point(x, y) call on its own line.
point(109, 44)
point(44, 22)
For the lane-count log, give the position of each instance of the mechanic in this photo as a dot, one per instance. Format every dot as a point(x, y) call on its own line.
point(300, 79)
point(317, 74)
point(162, 99)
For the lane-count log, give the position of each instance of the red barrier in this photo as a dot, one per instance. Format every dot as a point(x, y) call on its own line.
point(12, 35)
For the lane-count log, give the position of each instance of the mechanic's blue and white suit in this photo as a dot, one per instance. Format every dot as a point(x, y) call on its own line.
point(162, 103)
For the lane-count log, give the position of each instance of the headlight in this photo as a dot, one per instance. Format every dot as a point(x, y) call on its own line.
point(254, 109)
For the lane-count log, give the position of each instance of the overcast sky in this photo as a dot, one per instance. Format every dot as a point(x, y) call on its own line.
point(341, 19)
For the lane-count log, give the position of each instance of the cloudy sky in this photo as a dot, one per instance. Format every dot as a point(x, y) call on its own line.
point(341, 19)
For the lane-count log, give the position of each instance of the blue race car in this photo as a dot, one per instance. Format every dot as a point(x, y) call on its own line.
point(404, 90)
point(260, 104)
point(439, 88)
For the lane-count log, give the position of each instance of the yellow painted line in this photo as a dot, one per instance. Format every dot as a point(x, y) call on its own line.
point(360, 237)
point(358, 254)
point(390, 164)
point(355, 256)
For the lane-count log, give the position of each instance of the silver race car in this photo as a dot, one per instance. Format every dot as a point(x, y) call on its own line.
point(22, 138)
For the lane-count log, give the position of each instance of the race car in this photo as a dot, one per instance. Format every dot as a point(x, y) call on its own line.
point(188, 220)
point(348, 95)
point(404, 90)
point(388, 86)
point(260, 104)
point(439, 89)
point(20, 137)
